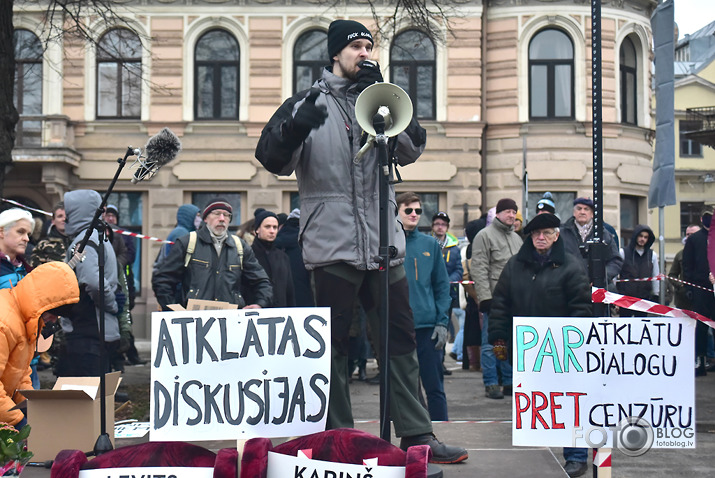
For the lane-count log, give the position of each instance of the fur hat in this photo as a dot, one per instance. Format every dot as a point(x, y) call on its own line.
point(342, 32)
point(542, 221)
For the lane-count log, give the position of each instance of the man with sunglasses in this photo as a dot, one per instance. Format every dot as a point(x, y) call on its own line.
point(217, 266)
point(542, 280)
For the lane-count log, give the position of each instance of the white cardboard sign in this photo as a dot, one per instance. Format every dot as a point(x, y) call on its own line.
point(238, 374)
point(282, 466)
point(579, 378)
point(149, 472)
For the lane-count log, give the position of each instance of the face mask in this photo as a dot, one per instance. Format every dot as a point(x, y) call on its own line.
point(197, 222)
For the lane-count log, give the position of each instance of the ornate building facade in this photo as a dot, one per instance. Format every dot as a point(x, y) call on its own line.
point(504, 90)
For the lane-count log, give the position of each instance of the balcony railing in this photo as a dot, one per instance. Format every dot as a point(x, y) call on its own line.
point(44, 131)
point(701, 125)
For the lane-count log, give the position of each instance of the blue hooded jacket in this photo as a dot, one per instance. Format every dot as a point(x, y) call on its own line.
point(184, 224)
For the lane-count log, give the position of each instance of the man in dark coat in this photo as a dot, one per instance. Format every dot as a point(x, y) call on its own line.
point(541, 280)
point(274, 261)
point(287, 241)
point(639, 262)
point(578, 230)
point(696, 270)
point(217, 268)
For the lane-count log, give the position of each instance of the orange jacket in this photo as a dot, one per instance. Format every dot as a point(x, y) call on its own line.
point(46, 287)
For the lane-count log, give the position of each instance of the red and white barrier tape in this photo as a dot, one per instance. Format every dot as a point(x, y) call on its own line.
point(602, 296)
point(465, 282)
point(664, 277)
point(141, 236)
point(15, 203)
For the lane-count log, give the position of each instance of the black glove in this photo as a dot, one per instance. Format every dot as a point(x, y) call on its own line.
point(308, 117)
point(485, 305)
point(368, 74)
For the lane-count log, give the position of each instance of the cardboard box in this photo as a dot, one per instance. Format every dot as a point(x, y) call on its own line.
point(67, 417)
point(200, 304)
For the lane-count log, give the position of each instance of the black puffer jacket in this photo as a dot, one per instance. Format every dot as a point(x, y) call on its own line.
point(277, 265)
point(558, 288)
point(638, 266)
point(210, 277)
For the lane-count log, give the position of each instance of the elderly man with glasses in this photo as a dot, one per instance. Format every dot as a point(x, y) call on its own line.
point(212, 264)
point(541, 280)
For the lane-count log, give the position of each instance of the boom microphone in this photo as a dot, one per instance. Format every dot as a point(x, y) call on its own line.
point(159, 150)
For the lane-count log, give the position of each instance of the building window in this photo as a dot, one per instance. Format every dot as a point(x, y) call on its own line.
point(202, 199)
point(629, 84)
point(629, 217)
point(688, 147)
point(413, 68)
point(216, 76)
point(119, 75)
point(130, 219)
point(690, 213)
point(309, 56)
point(28, 87)
point(551, 75)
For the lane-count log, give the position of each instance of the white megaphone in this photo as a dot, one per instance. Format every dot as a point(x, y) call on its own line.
point(389, 100)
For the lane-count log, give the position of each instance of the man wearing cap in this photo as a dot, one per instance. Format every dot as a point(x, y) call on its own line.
point(316, 135)
point(217, 268)
point(453, 260)
point(273, 260)
point(491, 249)
point(542, 280)
point(577, 231)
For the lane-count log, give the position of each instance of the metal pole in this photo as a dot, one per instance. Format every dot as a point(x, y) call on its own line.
point(378, 122)
point(525, 181)
point(661, 250)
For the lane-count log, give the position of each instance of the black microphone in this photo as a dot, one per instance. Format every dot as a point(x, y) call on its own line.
point(159, 150)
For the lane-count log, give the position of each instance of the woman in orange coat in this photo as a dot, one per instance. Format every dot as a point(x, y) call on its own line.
point(37, 299)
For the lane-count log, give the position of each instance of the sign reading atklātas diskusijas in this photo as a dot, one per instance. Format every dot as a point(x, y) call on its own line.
point(238, 374)
point(577, 381)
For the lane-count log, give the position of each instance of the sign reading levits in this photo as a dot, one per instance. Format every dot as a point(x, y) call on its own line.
point(236, 374)
point(579, 377)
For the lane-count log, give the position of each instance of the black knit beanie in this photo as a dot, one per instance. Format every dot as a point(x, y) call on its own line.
point(342, 32)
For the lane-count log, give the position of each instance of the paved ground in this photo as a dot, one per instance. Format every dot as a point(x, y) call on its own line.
point(483, 427)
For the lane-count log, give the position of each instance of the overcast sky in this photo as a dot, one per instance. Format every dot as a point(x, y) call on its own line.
point(692, 15)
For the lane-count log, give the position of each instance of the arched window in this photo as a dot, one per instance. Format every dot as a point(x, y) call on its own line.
point(412, 67)
point(629, 84)
point(310, 55)
point(119, 74)
point(551, 75)
point(216, 76)
point(28, 86)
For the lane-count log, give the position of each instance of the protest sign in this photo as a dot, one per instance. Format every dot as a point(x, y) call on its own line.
point(149, 472)
point(238, 374)
point(280, 466)
point(586, 382)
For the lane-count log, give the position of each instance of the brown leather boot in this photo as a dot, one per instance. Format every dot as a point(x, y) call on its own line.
point(474, 354)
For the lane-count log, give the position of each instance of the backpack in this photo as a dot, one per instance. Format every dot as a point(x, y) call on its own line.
point(193, 235)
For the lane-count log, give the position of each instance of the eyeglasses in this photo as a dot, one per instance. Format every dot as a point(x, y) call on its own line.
point(542, 231)
point(221, 213)
point(408, 210)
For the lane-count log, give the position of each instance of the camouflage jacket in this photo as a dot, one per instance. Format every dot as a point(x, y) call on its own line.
point(51, 248)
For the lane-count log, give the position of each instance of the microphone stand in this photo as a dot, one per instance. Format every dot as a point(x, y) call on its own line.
point(103, 443)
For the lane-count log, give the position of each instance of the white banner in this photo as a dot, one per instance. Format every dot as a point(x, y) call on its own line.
point(238, 374)
point(585, 382)
point(282, 466)
point(149, 472)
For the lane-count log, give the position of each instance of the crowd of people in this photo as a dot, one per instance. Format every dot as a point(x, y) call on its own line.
point(327, 254)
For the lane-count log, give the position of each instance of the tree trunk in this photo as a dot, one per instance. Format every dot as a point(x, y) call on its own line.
point(8, 113)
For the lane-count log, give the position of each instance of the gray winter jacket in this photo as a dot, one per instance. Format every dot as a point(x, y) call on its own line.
point(339, 198)
point(80, 206)
point(491, 249)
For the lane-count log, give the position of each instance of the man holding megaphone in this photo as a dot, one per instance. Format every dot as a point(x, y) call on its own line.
point(316, 134)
